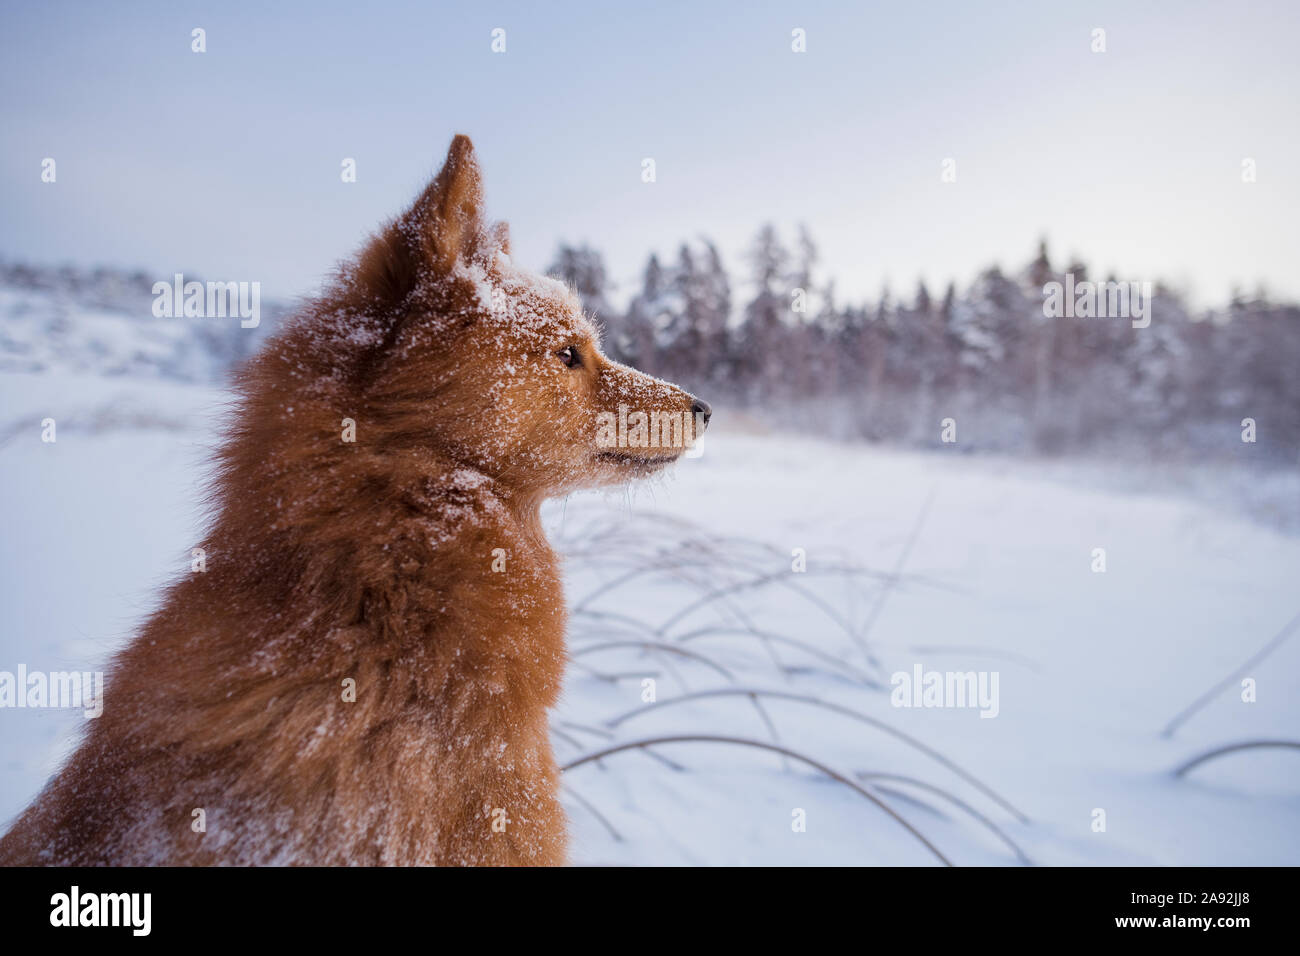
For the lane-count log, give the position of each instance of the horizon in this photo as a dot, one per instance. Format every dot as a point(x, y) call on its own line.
point(902, 296)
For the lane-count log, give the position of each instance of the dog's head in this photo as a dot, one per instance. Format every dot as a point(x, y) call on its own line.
point(454, 348)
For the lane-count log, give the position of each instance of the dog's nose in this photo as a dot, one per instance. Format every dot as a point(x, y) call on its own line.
point(700, 407)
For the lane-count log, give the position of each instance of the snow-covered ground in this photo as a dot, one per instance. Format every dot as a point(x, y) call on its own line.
point(949, 562)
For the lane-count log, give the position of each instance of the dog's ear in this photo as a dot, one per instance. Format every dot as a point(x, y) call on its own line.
point(443, 225)
point(450, 212)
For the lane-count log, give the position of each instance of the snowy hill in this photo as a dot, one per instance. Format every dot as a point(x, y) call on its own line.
point(102, 323)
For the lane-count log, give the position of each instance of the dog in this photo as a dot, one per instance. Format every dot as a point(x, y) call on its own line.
point(359, 670)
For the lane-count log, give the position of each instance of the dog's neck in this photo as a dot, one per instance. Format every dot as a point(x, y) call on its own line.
point(527, 510)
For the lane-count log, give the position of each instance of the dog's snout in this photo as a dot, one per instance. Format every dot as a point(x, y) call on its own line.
point(700, 407)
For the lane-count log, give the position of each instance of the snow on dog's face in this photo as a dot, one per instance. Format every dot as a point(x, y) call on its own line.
point(495, 366)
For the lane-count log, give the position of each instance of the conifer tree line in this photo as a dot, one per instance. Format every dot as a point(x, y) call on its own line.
point(776, 339)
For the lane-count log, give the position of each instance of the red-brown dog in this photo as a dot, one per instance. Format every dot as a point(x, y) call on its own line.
point(362, 674)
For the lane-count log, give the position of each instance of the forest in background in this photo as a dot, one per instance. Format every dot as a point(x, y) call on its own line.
point(890, 371)
point(986, 356)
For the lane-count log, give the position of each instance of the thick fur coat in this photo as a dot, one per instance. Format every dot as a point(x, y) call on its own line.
point(362, 673)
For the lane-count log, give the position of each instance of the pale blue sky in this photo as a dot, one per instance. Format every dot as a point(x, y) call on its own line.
point(227, 163)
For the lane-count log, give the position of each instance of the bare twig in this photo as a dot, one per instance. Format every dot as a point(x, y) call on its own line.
point(656, 645)
point(567, 737)
point(896, 576)
point(771, 727)
point(957, 802)
point(1233, 748)
point(611, 678)
point(859, 676)
point(586, 728)
point(1259, 655)
point(590, 808)
point(778, 577)
point(774, 748)
point(839, 709)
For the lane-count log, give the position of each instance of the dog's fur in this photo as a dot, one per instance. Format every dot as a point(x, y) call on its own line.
point(372, 561)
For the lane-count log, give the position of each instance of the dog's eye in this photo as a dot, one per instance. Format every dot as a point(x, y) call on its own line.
point(569, 356)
